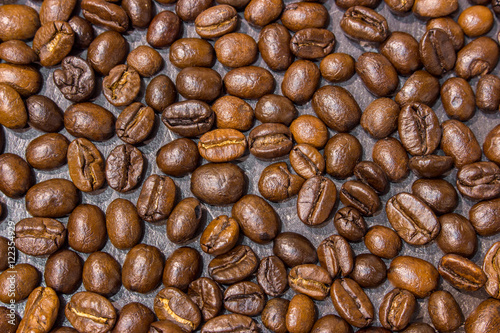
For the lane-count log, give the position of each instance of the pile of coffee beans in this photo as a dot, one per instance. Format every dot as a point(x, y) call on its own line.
point(197, 166)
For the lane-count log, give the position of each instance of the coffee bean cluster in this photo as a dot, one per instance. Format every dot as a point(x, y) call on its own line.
point(238, 194)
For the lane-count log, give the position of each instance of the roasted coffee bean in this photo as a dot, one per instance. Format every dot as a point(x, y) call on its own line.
point(246, 298)
point(261, 12)
point(377, 73)
point(106, 51)
point(342, 153)
point(400, 7)
point(222, 145)
point(220, 236)
point(236, 50)
point(337, 67)
point(188, 118)
point(140, 12)
point(346, 4)
point(63, 271)
point(134, 317)
point(336, 256)
point(476, 20)
point(459, 142)
point(64, 329)
point(440, 195)
point(17, 52)
point(199, 83)
point(302, 15)
point(189, 10)
point(274, 46)
point(123, 224)
point(430, 166)
point(122, 85)
point(233, 112)
point(89, 312)
point(479, 57)
point(479, 181)
point(249, 82)
point(87, 229)
point(458, 99)
point(301, 314)
point(360, 196)
point(52, 198)
point(216, 21)
point(156, 199)
point(310, 130)
point(233, 266)
point(421, 87)
point(300, 82)
point(135, 123)
point(272, 276)
point(160, 93)
point(452, 29)
point(230, 323)
point(380, 118)
point(351, 303)
point(17, 282)
point(412, 219)
point(350, 224)
point(124, 167)
point(312, 43)
point(276, 183)
point(84, 34)
point(44, 114)
point(18, 22)
point(461, 273)
point(437, 52)
point(382, 242)
point(490, 148)
point(89, 121)
point(457, 235)
point(487, 93)
point(9, 322)
point(183, 150)
point(184, 221)
point(307, 161)
point(52, 42)
point(5, 246)
point(396, 309)
point(485, 217)
point(165, 326)
point(182, 267)
point(484, 318)
point(331, 324)
point(431, 8)
point(207, 295)
point(218, 184)
point(419, 129)
point(192, 52)
point(311, 280)
point(164, 29)
point(13, 113)
point(363, 24)
point(37, 236)
point(369, 271)
point(419, 328)
point(400, 49)
point(391, 156)
point(270, 140)
point(294, 249)
point(142, 269)
point(275, 109)
point(102, 274)
point(373, 175)
point(76, 79)
point(105, 14)
point(16, 177)
point(316, 200)
point(145, 60)
point(42, 303)
point(26, 80)
point(47, 152)
point(86, 165)
point(445, 313)
point(413, 274)
point(274, 315)
point(490, 268)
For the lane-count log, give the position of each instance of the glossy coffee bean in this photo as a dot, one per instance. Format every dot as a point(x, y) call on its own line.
point(9, 322)
point(360, 196)
point(222, 145)
point(337, 67)
point(307, 161)
point(139, 12)
point(188, 118)
point(301, 314)
point(123, 224)
point(16, 176)
point(461, 273)
point(276, 183)
point(216, 21)
point(12, 109)
point(484, 217)
point(350, 224)
point(249, 82)
point(431, 8)
point(413, 274)
point(270, 140)
point(24, 278)
point(52, 42)
point(419, 129)
point(63, 271)
point(236, 50)
point(312, 43)
point(90, 121)
point(233, 112)
point(184, 221)
point(157, 198)
point(308, 129)
point(191, 52)
point(380, 118)
point(86, 165)
point(369, 270)
point(391, 156)
point(199, 83)
point(87, 229)
point(419, 328)
point(135, 123)
point(478, 180)
point(163, 29)
point(351, 303)
point(106, 51)
point(300, 81)
point(311, 280)
point(220, 236)
point(44, 114)
point(373, 175)
point(233, 266)
point(184, 150)
point(445, 313)
point(188, 10)
point(458, 99)
point(316, 200)
point(363, 24)
point(272, 276)
point(488, 93)
point(231, 321)
point(160, 93)
point(122, 85)
point(90, 312)
point(124, 167)
point(142, 269)
point(437, 52)
point(145, 60)
point(134, 317)
point(261, 13)
point(84, 34)
point(382, 242)
point(18, 22)
point(430, 166)
point(302, 15)
point(396, 309)
point(377, 73)
point(294, 249)
point(459, 142)
point(490, 268)
point(490, 149)
point(438, 194)
point(182, 267)
point(39, 236)
point(479, 57)
point(476, 20)
point(26, 80)
point(342, 153)
point(246, 298)
point(76, 79)
point(102, 274)
point(105, 14)
point(420, 87)
point(331, 324)
point(484, 317)
point(207, 295)
point(42, 303)
point(457, 235)
point(274, 315)
point(52, 198)
point(336, 256)
point(399, 48)
point(274, 46)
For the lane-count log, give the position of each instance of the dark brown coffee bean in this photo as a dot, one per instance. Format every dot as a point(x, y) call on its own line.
point(490, 268)
point(342, 153)
point(26, 80)
point(421, 87)
point(316, 200)
point(122, 85)
point(419, 328)
point(164, 29)
point(294, 82)
point(140, 12)
point(249, 82)
point(5, 259)
point(199, 83)
point(233, 112)
point(460, 143)
point(182, 267)
point(230, 323)
point(184, 150)
point(86, 165)
point(270, 140)
point(294, 249)
point(461, 273)
point(52, 42)
point(246, 298)
point(484, 317)
point(302, 15)
point(430, 8)
point(373, 175)
point(102, 274)
point(218, 184)
point(52, 198)
point(310, 130)
point(391, 156)
point(76, 79)
point(135, 123)
point(437, 52)
point(157, 198)
point(142, 269)
point(63, 271)
point(89, 121)
point(274, 315)
point(351, 303)
point(18, 22)
point(377, 73)
point(487, 93)
point(430, 166)
point(490, 147)
point(307, 161)
point(337, 108)
point(369, 271)
point(412, 219)
point(145, 60)
point(275, 109)
point(350, 224)
point(233, 266)
point(215, 21)
point(336, 256)
point(17, 52)
point(165, 326)
point(12, 110)
point(44, 114)
point(479, 57)
point(188, 10)
point(440, 195)
point(262, 12)
point(42, 303)
point(87, 229)
point(39, 236)
point(84, 34)
point(360, 196)
point(90, 312)
point(276, 183)
point(123, 224)
point(192, 52)
point(222, 145)
point(106, 51)
point(382, 242)
point(188, 118)
point(272, 276)
point(184, 221)
point(17, 282)
point(452, 29)
point(476, 20)
point(337, 67)
point(485, 217)
point(311, 280)
point(380, 118)
point(301, 314)
point(458, 99)
point(363, 24)
point(236, 50)
point(134, 317)
point(331, 324)
point(105, 14)
point(413, 274)
point(16, 177)
point(47, 152)
point(419, 129)
point(479, 181)
point(220, 236)
point(312, 43)
point(445, 313)
point(124, 167)
point(160, 93)
point(346, 4)
point(396, 309)
point(274, 46)
point(207, 295)
point(400, 49)
point(457, 235)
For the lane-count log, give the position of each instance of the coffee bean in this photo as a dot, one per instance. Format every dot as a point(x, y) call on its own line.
point(39, 236)
point(157, 198)
point(479, 180)
point(48, 151)
point(89, 121)
point(308, 129)
point(122, 85)
point(230, 323)
point(5, 246)
point(220, 236)
point(274, 46)
point(363, 24)
point(184, 150)
point(461, 273)
point(430, 166)
point(236, 50)
point(479, 57)
point(87, 229)
point(270, 140)
point(222, 145)
point(135, 123)
point(272, 276)
point(275, 109)
point(276, 183)
point(191, 52)
point(330, 324)
point(17, 52)
point(337, 67)
point(316, 200)
point(76, 79)
point(23, 278)
point(249, 82)
point(382, 242)
point(413, 274)
point(351, 303)
point(373, 175)
point(188, 10)
point(300, 82)
point(420, 87)
point(8, 324)
point(419, 328)
point(400, 48)
point(160, 93)
point(307, 161)
point(42, 303)
point(233, 112)
point(216, 21)
point(429, 8)
point(490, 149)
point(476, 20)
point(458, 99)
point(52, 198)
point(63, 271)
point(199, 83)
point(188, 118)
point(12, 111)
point(487, 93)
point(102, 274)
point(165, 326)
point(336, 256)
point(89, 312)
point(106, 51)
point(437, 52)
point(44, 114)
point(233, 266)
point(350, 224)
point(485, 217)
point(312, 43)
point(182, 267)
point(301, 314)
point(84, 34)
point(396, 309)
point(484, 318)
point(342, 153)
point(124, 167)
point(460, 143)
point(16, 177)
point(86, 165)
point(164, 29)
point(346, 4)
point(380, 118)
point(142, 269)
point(246, 298)
point(105, 14)
point(123, 224)
point(360, 196)
point(438, 194)
point(52, 42)
point(490, 268)
point(145, 60)
point(183, 222)
point(457, 235)
point(445, 313)
point(391, 156)
point(18, 22)
point(377, 73)
point(311, 280)
point(139, 12)
point(261, 12)
point(207, 295)
point(26, 80)
point(274, 315)
point(134, 317)
point(419, 129)
point(369, 270)
point(303, 15)
point(218, 184)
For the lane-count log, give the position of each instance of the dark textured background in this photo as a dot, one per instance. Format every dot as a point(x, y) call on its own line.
point(155, 235)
